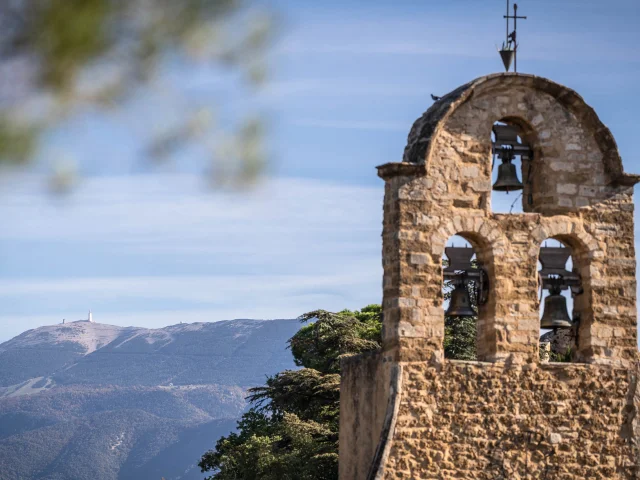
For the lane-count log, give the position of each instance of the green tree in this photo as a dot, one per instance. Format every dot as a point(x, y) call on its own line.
point(291, 431)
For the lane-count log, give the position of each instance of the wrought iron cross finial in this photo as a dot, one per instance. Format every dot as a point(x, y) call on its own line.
point(511, 43)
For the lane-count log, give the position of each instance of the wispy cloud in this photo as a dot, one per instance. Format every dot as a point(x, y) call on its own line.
point(384, 35)
point(340, 87)
point(163, 244)
point(198, 288)
point(378, 48)
point(450, 32)
point(173, 207)
point(352, 125)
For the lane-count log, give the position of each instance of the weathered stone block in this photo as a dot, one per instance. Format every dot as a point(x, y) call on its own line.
point(420, 258)
point(567, 188)
point(565, 202)
point(588, 191)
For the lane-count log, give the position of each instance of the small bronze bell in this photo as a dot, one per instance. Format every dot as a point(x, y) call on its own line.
point(555, 311)
point(460, 304)
point(507, 177)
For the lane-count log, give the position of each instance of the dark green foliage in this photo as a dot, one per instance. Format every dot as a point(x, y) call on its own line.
point(274, 448)
point(291, 432)
point(460, 338)
point(321, 344)
point(17, 142)
point(561, 357)
point(307, 393)
point(64, 36)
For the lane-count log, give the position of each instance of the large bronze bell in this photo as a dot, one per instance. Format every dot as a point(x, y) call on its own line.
point(555, 313)
point(507, 178)
point(460, 304)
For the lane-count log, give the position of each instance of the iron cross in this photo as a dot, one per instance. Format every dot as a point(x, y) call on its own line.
point(511, 37)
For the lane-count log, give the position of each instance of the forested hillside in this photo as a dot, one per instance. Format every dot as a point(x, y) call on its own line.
point(86, 400)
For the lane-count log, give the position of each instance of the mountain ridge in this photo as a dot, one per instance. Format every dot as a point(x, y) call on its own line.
point(115, 400)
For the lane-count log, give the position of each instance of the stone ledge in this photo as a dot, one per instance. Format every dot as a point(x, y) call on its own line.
point(581, 366)
point(470, 362)
point(349, 360)
point(400, 169)
point(503, 364)
point(628, 179)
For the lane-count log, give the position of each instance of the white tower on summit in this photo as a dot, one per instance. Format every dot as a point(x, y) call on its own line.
point(90, 317)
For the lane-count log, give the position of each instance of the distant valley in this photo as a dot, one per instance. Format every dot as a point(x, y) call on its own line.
point(85, 400)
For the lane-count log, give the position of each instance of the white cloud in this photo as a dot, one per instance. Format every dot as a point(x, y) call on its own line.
point(286, 247)
point(154, 208)
point(198, 288)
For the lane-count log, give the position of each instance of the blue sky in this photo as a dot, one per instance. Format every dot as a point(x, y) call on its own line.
point(149, 245)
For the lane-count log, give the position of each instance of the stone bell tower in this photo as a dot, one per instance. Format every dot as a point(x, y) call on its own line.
point(408, 412)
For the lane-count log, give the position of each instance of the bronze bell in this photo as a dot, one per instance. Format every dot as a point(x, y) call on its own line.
point(507, 176)
point(555, 312)
point(460, 304)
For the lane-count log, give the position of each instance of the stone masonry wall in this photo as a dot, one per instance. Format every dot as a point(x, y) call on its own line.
point(469, 420)
point(364, 389)
point(580, 196)
point(508, 246)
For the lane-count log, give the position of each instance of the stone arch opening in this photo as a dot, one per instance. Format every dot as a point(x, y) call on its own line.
point(563, 272)
point(466, 262)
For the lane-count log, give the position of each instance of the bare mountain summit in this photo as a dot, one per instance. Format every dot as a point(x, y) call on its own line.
point(87, 400)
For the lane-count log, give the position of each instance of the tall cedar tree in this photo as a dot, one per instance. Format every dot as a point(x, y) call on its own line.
point(291, 431)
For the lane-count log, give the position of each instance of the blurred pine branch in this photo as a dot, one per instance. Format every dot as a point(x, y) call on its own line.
point(59, 56)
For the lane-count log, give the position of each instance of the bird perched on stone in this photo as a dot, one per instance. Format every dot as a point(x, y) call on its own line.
point(434, 98)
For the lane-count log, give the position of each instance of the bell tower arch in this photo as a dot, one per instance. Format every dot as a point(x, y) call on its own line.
point(431, 417)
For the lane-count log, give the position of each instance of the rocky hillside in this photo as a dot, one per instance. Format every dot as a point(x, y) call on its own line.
point(87, 400)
